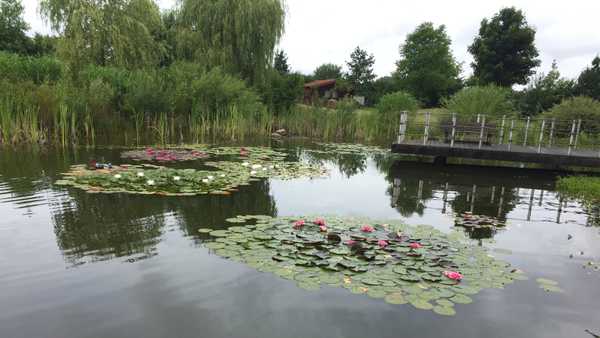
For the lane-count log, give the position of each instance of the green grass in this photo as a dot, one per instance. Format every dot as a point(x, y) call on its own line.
point(580, 187)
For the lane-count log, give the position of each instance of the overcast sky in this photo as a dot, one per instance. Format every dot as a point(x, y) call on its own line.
point(320, 31)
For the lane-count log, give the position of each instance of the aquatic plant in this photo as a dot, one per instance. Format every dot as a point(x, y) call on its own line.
point(443, 270)
point(580, 187)
point(164, 155)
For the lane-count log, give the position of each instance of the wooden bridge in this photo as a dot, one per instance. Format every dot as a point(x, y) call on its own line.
point(550, 142)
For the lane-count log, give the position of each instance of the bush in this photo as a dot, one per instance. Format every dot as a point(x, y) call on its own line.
point(397, 102)
point(18, 68)
point(585, 188)
point(146, 92)
point(489, 100)
point(581, 107)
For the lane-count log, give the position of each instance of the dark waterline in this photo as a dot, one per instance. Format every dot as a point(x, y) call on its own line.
point(74, 264)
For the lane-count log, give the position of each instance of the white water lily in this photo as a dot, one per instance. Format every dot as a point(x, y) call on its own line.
point(140, 174)
point(205, 180)
point(264, 169)
point(117, 176)
point(222, 175)
point(256, 166)
point(245, 164)
point(150, 182)
point(271, 167)
point(253, 172)
point(211, 177)
point(177, 178)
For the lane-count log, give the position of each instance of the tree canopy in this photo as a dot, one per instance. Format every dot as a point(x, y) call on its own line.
point(426, 68)
point(328, 71)
point(360, 72)
point(13, 27)
point(545, 91)
point(588, 83)
point(239, 35)
point(504, 51)
point(281, 63)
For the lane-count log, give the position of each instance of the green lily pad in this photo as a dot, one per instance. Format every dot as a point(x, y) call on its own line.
point(421, 304)
point(395, 298)
point(444, 310)
point(205, 230)
point(461, 299)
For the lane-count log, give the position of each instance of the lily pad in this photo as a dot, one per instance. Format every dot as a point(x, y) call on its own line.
point(444, 310)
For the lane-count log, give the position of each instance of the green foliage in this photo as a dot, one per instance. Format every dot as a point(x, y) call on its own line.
point(13, 28)
point(397, 102)
point(504, 51)
point(427, 68)
point(147, 92)
point(328, 71)
point(544, 91)
point(588, 83)
point(581, 107)
point(580, 187)
point(282, 91)
point(360, 72)
point(281, 63)
point(238, 35)
point(489, 100)
point(382, 86)
point(115, 33)
point(17, 68)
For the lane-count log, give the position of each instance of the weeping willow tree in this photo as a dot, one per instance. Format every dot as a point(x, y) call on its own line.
point(238, 35)
point(118, 33)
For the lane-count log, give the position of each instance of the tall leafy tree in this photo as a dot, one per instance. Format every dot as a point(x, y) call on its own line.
point(544, 91)
point(281, 63)
point(588, 83)
point(239, 35)
point(13, 27)
point(504, 51)
point(328, 71)
point(426, 68)
point(106, 32)
point(360, 72)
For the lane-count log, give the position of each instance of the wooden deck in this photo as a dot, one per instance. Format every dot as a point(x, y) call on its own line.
point(553, 157)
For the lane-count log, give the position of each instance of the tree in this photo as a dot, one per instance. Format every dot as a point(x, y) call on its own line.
point(504, 51)
point(328, 71)
point(119, 33)
point(426, 67)
point(360, 74)
point(588, 83)
point(238, 35)
point(545, 91)
point(281, 63)
point(12, 27)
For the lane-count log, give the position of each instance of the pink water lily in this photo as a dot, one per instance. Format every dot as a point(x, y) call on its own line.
point(367, 228)
point(299, 224)
point(453, 275)
point(323, 228)
point(416, 245)
point(382, 244)
point(350, 242)
point(319, 221)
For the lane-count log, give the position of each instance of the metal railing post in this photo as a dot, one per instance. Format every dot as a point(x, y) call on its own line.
point(541, 139)
point(577, 134)
point(402, 130)
point(482, 131)
point(502, 129)
point(526, 131)
point(453, 130)
point(551, 137)
point(572, 137)
point(426, 132)
point(510, 134)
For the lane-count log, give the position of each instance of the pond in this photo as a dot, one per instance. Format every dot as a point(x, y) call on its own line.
point(75, 264)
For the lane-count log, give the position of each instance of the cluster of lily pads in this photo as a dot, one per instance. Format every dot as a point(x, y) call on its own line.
point(164, 155)
point(398, 263)
point(478, 222)
point(548, 285)
point(350, 149)
point(151, 179)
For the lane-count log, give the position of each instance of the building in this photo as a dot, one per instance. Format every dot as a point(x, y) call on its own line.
point(319, 90)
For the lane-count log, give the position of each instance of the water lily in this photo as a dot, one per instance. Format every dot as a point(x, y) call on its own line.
point(299, 224)
point(205, 180)
point(323, 228)
point(367, 228)
point(140, 174)
point(222, 175)
point(382, 244)
point(453, 275)
point(256, 166)
point(117, 176)
point(177, 178)
point(350, 242)
point(210, 177)
point(319, 221)
point(416, 245)
point(271, 167)
point(253, 172)
point(150, 182)
point(264, 169)
point(245, 164)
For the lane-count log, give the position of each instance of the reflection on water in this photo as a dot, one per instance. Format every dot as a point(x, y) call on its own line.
point(139, 261)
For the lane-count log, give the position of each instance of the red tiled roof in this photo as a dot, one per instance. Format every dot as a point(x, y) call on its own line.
point(319, 83)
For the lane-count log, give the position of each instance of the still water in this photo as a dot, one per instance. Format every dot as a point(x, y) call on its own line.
point(74, 264)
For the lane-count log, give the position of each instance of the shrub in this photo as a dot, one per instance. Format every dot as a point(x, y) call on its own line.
point(489, 100)
point(146, 91)
point(585, 188)
point(581, 107)
point(24, 68)
point(397, 102)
